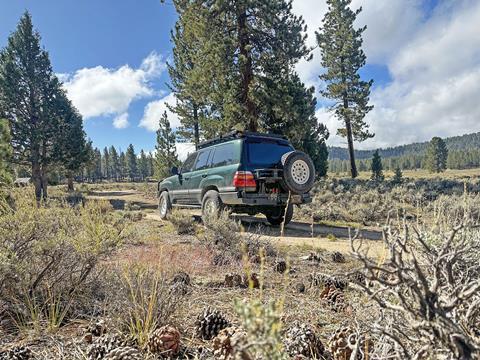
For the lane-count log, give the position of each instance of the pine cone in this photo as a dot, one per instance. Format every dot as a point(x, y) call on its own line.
point(233, 280)
point(96, 329)
point(165, 340)
point(19, 352)
point(226, 345)
point(210, 322)
point(343, 342)
point(338, 257)
point(300, 340)
point(334, 298)
point(318, 279)
point(181, 277)
point(251, 281)
point(124, 353)
point(104, 344)
point(280, 266)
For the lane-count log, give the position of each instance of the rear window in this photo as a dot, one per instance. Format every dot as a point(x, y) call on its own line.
point(267, 153)
point(226, 154)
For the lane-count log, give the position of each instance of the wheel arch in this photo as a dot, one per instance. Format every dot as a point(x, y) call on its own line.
point(207, 188)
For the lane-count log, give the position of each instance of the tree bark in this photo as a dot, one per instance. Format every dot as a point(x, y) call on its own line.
point(196, 130)
point(351, 151)
point(246, 70)
point(70, 181)
point(37, 179)
point(44, 182)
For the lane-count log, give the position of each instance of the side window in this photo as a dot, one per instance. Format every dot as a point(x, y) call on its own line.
point(188, 164)
point(226, 154)
point(202, 160)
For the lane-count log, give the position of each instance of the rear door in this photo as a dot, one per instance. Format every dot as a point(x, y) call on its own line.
point(198, 174)
point(180, 195)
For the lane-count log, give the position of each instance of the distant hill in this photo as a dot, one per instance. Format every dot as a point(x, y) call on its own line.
point(463, 142)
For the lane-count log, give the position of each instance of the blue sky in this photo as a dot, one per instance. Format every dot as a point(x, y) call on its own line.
point(422, 54)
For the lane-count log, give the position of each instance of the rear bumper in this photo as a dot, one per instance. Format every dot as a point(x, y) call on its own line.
point(255, 199)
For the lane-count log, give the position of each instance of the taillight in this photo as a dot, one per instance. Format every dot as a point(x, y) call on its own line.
point(245, 180)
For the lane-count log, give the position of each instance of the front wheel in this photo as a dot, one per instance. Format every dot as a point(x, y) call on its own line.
point(164, 205)
point(277, 215)
point(211, 204)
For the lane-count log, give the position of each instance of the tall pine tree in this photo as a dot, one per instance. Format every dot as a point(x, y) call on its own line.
point(28, 88)
point(143, 165)
point(436, 156)
point(131, 162)
point(166, 156)
point(342, 57)
point(114, 163)
point(70, 149)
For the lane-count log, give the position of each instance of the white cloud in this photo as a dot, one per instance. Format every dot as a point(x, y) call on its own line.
point(121, 121)
point(155, 109)
point(434, 62)
point(102, 91)
point(436, 81)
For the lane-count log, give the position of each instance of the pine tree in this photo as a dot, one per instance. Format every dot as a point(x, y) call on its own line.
point(28, 88)
point(397, 176)
point(376, 167)
point(114, 163)
point(236, 58)
point(97, 160)
point(106, 164)
point(143, 165)
point(70, 149)
point(436, 156)
point(5, 153)
point(131, 162)
point(166, 156)
point(342, 57)
point(123, 165)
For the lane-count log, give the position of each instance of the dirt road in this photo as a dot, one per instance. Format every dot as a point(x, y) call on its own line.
point(118, 199)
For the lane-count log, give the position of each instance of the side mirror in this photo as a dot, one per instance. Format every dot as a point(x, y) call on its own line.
point(174, 170)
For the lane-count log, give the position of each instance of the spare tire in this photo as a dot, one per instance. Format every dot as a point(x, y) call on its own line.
point(298, 172)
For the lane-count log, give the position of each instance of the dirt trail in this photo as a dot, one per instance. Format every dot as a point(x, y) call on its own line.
point(295, 230)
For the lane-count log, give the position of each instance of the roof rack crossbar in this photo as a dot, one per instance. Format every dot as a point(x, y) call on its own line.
point(237, 134)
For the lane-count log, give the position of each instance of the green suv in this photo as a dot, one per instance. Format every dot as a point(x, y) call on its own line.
point(245, 172)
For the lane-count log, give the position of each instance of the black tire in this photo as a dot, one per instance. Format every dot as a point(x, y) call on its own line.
point(275, 217)
point(211, 204)
point(164, 205)
point(298, 172)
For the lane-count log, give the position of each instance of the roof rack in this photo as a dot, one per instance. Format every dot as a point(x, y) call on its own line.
point(237, 134)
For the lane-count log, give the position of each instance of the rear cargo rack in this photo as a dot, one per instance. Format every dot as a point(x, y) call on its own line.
point(238, 135)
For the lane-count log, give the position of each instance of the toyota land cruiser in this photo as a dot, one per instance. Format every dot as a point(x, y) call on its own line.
point(245, 172)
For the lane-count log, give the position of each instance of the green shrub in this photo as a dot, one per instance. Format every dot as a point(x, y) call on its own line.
point(47, 254)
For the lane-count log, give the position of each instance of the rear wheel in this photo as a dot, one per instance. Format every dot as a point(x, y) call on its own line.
point(164, 205)
point(211, 204)
point(277, 215)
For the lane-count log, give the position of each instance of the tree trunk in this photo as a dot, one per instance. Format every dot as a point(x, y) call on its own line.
point(37, 180)
point(246, 70)
point(44, 182)
point(196, 130)
point(70, 181)
point(348, 128)
point(351, 151)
